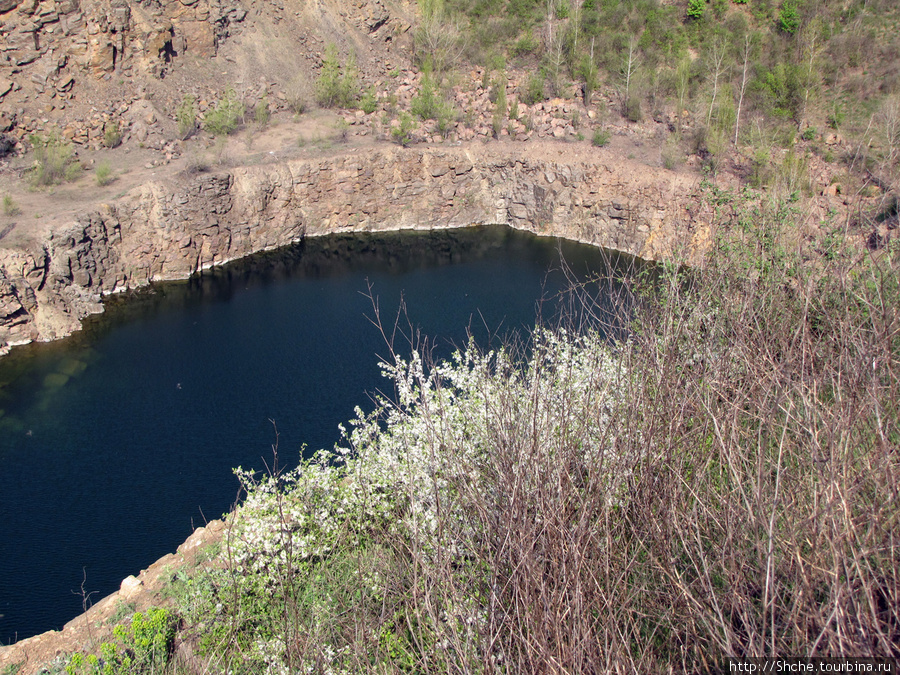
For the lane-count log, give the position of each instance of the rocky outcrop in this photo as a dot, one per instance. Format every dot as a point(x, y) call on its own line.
point(100, 36)
point(171, 229)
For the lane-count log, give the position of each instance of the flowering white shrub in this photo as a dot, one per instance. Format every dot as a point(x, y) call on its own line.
point(426, 477)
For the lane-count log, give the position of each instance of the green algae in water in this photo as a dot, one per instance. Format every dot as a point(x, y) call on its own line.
point(55, 381)
point(72, 367)
point(11, 426)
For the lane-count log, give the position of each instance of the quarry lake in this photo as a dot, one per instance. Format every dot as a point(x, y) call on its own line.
point(117, 442)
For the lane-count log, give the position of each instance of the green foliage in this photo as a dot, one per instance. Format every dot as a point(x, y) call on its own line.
point(426, 102)
point(527, 44)
point(112, 136)
point(534, 89)
point(590, 75)
point(123, 610)
point(836, 115)
point(337, 85)
point(10, 207)
point(368, 103)
point(225, 117)
point(402, 133)
point(342, 129)
point(780, 90)
point(789, 17)
point(261, 114)
point(498, 96)
point(142, 647)
point(695, 9)
point(633, 111)
point(430, 104)
point(186, 116)
point(762, 172)
point(54, 160)
point(600, 138)
point(104, 174)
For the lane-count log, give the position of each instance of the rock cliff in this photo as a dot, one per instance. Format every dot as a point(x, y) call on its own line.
point(170, 229)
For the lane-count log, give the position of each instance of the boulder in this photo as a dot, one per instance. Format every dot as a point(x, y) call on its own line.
point(199, 37)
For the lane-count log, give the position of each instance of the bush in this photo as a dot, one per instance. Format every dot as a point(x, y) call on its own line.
point(429, 104)
point(368, 103)
point(337, 86)
point(402, 133)
point(633, 112)
point(600, 138)
point(142, 647)
point(104, 174)
point(261, 114)
point(425, 104)
point(789, 17)
point(112, 136)
point(525, 45)
point(186, 116)
point(225, 117)
point(534, 89)
point(54, 160)
point(10, 208)
point(438, 43)
point(695, 9)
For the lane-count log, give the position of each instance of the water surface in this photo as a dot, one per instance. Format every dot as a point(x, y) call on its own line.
point(116, 442)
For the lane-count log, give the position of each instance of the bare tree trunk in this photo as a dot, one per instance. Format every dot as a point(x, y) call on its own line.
point(628, 71)
point(684, 76)
point(718, 59)
point(737, 121)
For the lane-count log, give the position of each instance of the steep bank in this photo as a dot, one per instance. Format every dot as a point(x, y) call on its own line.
point(171, 228)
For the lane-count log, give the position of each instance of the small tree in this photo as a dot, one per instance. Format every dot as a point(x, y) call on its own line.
point(226, 116)
point(261, 114)
point(54, 159)
point(590, 74)
point(112, 135)
point(402, 133)
point(438, 41)
point(630, 103)
point(789, 17)
point(337, 86)
point(186, 116)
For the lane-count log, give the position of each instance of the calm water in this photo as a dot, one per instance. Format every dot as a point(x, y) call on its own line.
point(116, 442)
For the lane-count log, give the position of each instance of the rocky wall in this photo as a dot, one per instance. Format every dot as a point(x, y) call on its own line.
point(171, 229)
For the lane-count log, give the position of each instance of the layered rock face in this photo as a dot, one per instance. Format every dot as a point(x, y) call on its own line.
point(170, 230)
point(100, 36)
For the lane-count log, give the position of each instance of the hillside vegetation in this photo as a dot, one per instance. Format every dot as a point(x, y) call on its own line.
point(756, 87)
point(719, 479)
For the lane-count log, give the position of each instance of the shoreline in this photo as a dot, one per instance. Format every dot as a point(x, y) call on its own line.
point(167, 230)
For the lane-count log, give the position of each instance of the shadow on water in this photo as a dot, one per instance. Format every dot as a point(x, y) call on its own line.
point(115, 442)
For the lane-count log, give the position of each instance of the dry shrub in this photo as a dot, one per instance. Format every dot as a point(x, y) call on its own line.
point(719, 480)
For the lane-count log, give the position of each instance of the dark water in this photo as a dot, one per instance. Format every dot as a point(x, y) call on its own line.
point(116, 442)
